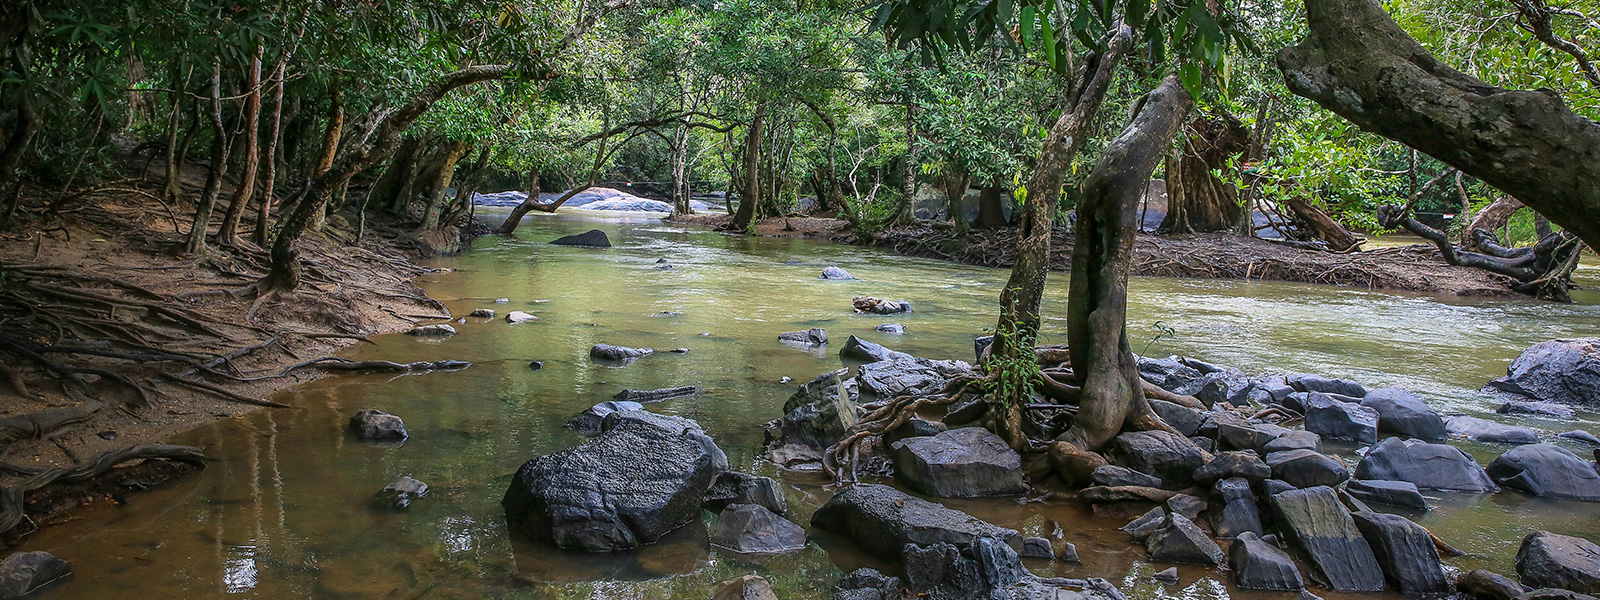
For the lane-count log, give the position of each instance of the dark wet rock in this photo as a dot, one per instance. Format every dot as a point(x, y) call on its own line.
point(1237, 463)
point(1168, 373)
point(401, 492)
point(883, 520)
point(913, 427)
point(1168, 575)
point(1298, 439)
point(1204, 443)
point(378, 426)
point(1403, 413)
point(1113, 476)
point(1182, 418)
point(969, 462)
point(1321, 526)
point(1547, 470)
point(1238, 513)
point(966, 410)
point(834, 273)
point(1124, 493)
point(1186, 505)
point(1341, 420)
point(1216, 419)
point(1166, 455)
point(1146, 524)
point(1179, 540)
point(536, 365)
point(747, 587)
point(588, 422)
point(439, 330)
point(1353, 503)
point(858, 349)
point(1554, 594)
point(1558, 370)
point(1273, 487)
point(1549, 410)
point(734, 487)
point(752, 529)
point(1037, 547)
point(1581, 436)
point(644, 476)
point(1393, 493)
point(891, 378)
point(1559, 561)
point(814, 337)
point(1317, 383)
point(1248, 436)
point(1069, 553)
point(894, 328)
point(980, 344)
point(879, 306)
point(817, 415)
point(517, 316)
point(1307, 468)
point(1484, 430)
point(1258, 565)
point(593, 238)
point(618, 353)
point(1405, 551)
point(482, 313)
point(1486, 585)
point(24, 572)
point(987, 568)
point(1429, 466)
point(648, 396)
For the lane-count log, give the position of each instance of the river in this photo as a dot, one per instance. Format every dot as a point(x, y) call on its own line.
point(284, 507)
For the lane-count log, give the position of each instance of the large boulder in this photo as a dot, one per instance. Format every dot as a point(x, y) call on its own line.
point(900, 376)
point(1166, 455)
point(1402, 413)
point(1556, 371)
point(1180, 541)
point(593, 238)
point(1394, 493)
point(1307, 468)
point(752, 529)
point(377, 426)
point(1559, 561)
point(1258, 565)
point(1406, 552)
point(1238, 513)
point(1339, 420)
point(1547, 470)
point(969, 462)
point(24, 572)
point(859, 349)
point(883, 520)
point(1484, 430)
point(1429, 466)
point(644, 476)
point(1315, 520)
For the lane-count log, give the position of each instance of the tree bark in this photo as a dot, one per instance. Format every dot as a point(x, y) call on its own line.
point(1112, 396)
point(1358, 63)
point(515, 218)
point(907, 211)
point(228, 233)
point(991, 210)
point(1338, 238)
point(1542, 270)
point(751, 195)
point(441, 179)
point(269, 181)
point(1492, 218)
point(22, 132)
point(955, 194)
point(680, 176)
point(219, 166)
point(172, 189)
point(1197, 199)
point(470, 180)
point(335, 129)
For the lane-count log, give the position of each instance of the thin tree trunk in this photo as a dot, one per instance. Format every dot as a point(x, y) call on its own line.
point(991, 210)
point(173, 188)
point(680, 178)
point(751, 195)
point(1492, 218)
point(515, 218)
point(270, 180)
point(330, 136)
point(907, 211)
point(401, 205)
point(228, 234)
point(1338, 238)
point(22, 132)
point(1464, 219)
point(219, 166)
point(441, 180)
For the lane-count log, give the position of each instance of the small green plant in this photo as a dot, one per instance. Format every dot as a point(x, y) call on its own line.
point(1012, 375)
point(1162, 331)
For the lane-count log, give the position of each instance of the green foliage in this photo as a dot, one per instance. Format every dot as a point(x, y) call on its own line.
point(1012, 378)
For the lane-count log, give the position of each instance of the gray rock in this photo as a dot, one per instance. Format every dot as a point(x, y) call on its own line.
point(894, 328)
point(1258, 565)
point(1238, 463)
point(1239, 513)
point(1429, 466)
point(913, 427)
point(1402, 413)
point(879, 306)
point(1341, 420)
point(439, 330)
point(588, 422)
point(1321, 526)
point(964, 411)
point(1186, 505)
point(482, 313)
point(818, 414)
point(752, 529)
point(1316, 383)
point(1168, 373)
point(1559, 561)
point(1168, 575)
point(1147, 523)
point(517, 316)
point(988, 568)
point(1566, 370)
point(1484, 585)
point(648, 396)
point(859, 349)
point(401, 492)
point(1581, 436)
point(891, 378)
point(1113, 476)
point(24, 572)
point(1069, 553)
point(1179, 540)
point(644, 476)
point(1547, 470)
point(618, 353)
point(1248, 436)
point(1166, 455)
point(813, 337)
point(748, 587)
point(593, 238)
point(1548, 410)
point(1037, 547)
point(969, 462)
point(1554, 594)
point(536, 365)
point(1298, 439)
point(1307, 468)
point(734, 487)
point(1182, 418)
point(1484, 430)
point(979, 345)
point(1405, 551)
point(502, 300)
point(1393, 493)
point(834, 273)
point(378, 426)
point(1273, 487)
point(882, 520)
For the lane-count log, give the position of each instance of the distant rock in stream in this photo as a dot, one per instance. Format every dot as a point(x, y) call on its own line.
point(834, 273)
point(858, 349)
point(621, 354)
point(378, 426)
point(517, 316)
point(648, 396)
point(1484, 430)
point(1565, 370)
point(894, 328)
point(1581, 436)
point(811, 337)
point(439, 330)
point(1547, 470)
point(879, 306)
point(593, 238)
point(400, 493)
point(481, 313)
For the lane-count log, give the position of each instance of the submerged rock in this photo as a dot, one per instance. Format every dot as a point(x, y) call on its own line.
point(1429, 466)
point(882, 520)
point(401, 492)
point(879, 306)
point(1484, 430)
point(618, 353)
point(1581, 436)
point(593, 238)
point(1406, 552)
point(1561, 561)
point(1403, 413)
point(1322, 527)
point(835, 273)
point(1547, 470)
point(644, 476)
point(1394, 493)
point(378, 426)
point(814, 337)
point(646, 396)
point(1258, 565)
point(517, 316)
point(439, 330)
point(969, 462)
point(1549, 410)
point(894, 328)
point(752, 529)
point(859, 349)
point(1485, 585)
point(1566, 370)
point(24, 572)
point(1166, 455)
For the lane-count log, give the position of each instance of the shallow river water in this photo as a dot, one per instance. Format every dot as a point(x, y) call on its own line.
point(284, 507)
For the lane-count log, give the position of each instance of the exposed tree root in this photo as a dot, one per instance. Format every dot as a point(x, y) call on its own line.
point(840, 459)
point(1543, 270)
point(41, 423)
point(11, 497)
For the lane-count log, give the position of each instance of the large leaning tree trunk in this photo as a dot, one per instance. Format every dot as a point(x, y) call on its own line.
point(1358, 63)
point(1012, 353)
point(1198, 201)
point(1112, 394)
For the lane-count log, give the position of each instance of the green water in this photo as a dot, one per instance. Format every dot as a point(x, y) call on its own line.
point(284, 509)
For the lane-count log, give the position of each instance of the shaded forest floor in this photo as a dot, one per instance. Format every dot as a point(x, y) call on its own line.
point(100, 271)
point(1205, 256)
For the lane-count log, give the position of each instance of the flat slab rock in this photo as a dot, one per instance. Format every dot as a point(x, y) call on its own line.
point(24, 572)
point(1322, 527)
point(593, 238)
point(969, 462)
point(752, 529)
point(1406, 552)
point(883, 520)
point(1484, 430)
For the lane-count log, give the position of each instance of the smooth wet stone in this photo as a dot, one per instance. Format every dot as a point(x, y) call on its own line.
point(1560, 561)
point(1169, 373)
point(1166, 455)
point(482, 313)
point(812, 337)
point(1486, 585)
point(1580, 436)
point(1548, 410)
point(618, 353)
point(1405, 551)
point(1258, 565)
point(752, 529)
point(1484, 430)
point(835, 273)
point(517, 316)
point(1307, 468)
point(987, 568)
point(1547, 470)
point(588, 422)
point(1394, 493)
point(900, 376)
point(747, 587)
point(882, 520)
point(22, 573)
point(1037, 547)
point(969, 462)
point(1317, 383)
point(1179, 540)
point(1554, 594)
point(1248, 436)
point(400, 493)
point(1321, 526)
point(1403, 413)
point(1565, 370)
point(1298, 439)
point(439, 330)
point(1238, 463)
point(1069, 553)
point(1338, 420)
point(1113, 476)
point(536, 365)
point(1182, 418)
point(1429, 466)
point(1239, 513)
point(593, 238)
point(964, 411)
point(880, 306)
point(894, 328)
point(378, 426)
point(502, 300)
point(1272, 487)
point(858, 349)
point(734, 487)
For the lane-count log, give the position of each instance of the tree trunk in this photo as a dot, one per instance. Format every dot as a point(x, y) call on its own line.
point(1112, 396)
point(330, 136)
point(991, 210)
point(1018, 326)
point(1543, 270)
point(269, 181)
point(1492, 218)
point(955, 194)
point(1197, 199)
point(173, 187)
point(228, 234)
point(384, 189)
point(515, 218)
point(470, 180)
point(401, 203)
point(680, 176)
point(219, 166)
point(1359, 64)
point(441, 179)
point(907, 211)
point(1338, 238)
point(22, 132)
point(751, 195)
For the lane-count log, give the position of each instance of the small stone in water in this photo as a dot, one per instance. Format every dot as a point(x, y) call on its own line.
point(661, 261)
point(891, 328)
point(401, 492)
point(680, 350)
point(482, 313)
point(1069, 553)
point(432, 331)
point(785, 379)
point(502, 300)
point(706, 334)
point(1170, 575)
point(536, 365)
